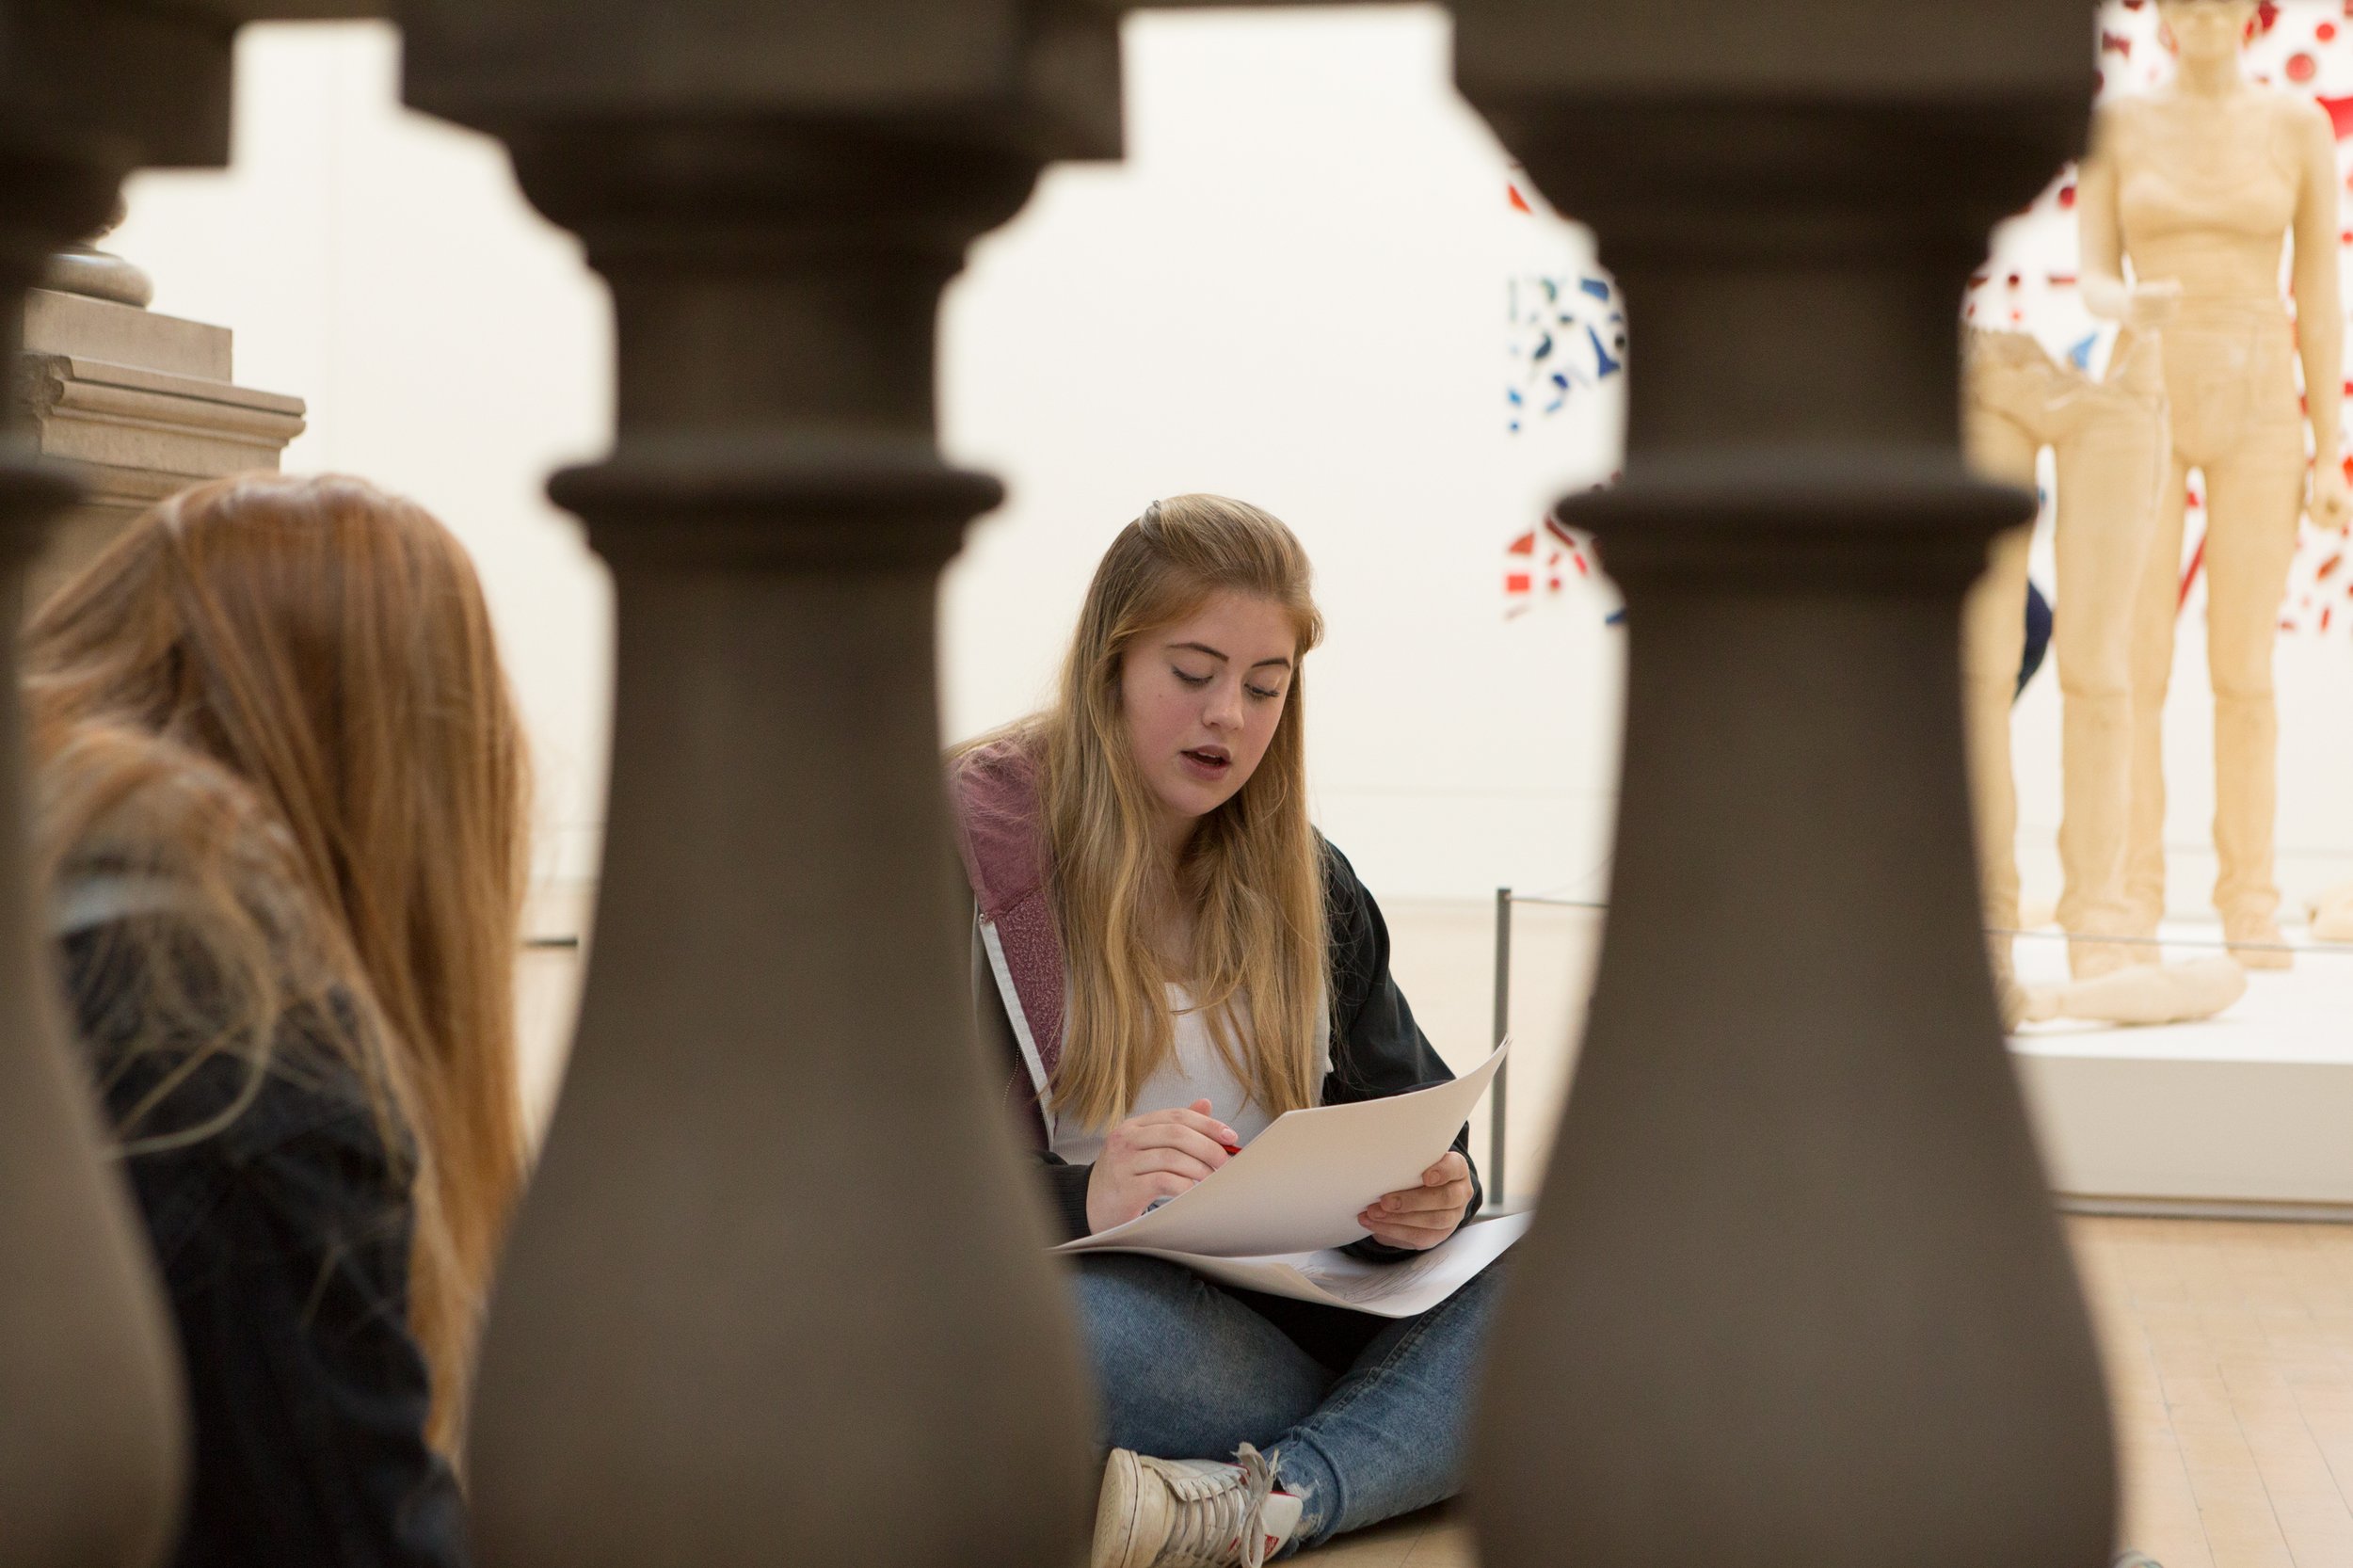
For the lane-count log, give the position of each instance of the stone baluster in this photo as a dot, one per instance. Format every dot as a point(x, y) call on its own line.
point(1796, 1294)
point(778, 1292)
point(93, 1447)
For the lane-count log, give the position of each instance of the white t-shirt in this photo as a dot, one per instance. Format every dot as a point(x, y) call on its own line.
point(1195, 1070)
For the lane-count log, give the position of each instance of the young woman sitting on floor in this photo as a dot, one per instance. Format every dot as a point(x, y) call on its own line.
point(281, 818)
point(1170, 957)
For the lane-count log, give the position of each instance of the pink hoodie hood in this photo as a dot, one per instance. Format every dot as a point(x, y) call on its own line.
point(1001, 833)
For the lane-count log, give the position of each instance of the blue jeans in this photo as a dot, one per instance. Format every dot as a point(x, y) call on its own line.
point(1370, 1416)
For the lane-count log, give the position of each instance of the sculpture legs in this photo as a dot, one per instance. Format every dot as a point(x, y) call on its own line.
point(2108, 504)
point(2109, 440)
point(2155, 610)
point(2254, 500)
point(2109, 473)
point(1994, 638)
point(2229, 374)
point(2007, 383)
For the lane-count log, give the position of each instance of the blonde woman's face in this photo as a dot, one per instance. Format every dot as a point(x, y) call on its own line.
point(1202, 697)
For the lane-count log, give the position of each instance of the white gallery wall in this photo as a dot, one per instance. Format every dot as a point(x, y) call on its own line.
point(1296, 288)
point(451, 345)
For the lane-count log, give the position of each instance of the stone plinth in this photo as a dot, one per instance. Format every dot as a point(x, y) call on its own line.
point(135, 405)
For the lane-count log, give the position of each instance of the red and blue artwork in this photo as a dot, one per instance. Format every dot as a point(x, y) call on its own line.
point(1567, 336)
point(1565, 342)
point(1548, 560)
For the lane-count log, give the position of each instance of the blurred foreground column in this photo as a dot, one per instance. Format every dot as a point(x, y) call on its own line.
point(1796, 1295)
point(780, 1291)
point(91, 1442)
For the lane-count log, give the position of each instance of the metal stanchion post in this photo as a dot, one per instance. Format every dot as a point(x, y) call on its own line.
point(1496, 1107)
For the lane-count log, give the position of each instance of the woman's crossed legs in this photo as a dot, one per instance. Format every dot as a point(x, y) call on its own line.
point(1370, 1416)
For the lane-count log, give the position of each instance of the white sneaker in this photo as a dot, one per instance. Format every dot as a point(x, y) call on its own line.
point(1191, 1513)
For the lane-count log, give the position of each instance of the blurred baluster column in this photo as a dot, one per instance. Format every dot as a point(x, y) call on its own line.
point(1796, 1294)
point(780, 1291)
point(92, 1448)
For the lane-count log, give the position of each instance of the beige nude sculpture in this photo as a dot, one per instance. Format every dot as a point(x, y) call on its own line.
point(2197, 185)
point(2109, 441)
point(2112, 455)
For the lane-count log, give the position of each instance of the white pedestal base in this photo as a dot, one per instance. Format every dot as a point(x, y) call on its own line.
point(2248, 1114)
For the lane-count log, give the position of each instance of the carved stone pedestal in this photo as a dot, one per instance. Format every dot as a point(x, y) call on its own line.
point(134, 405)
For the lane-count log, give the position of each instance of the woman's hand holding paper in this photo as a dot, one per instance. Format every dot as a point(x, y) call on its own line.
point(1421, 1217)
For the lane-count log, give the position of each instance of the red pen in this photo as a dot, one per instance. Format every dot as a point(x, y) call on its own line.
point(1231, 1148)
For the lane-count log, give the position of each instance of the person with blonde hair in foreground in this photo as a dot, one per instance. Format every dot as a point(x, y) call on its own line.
point(281, 818)
point(1170, 958)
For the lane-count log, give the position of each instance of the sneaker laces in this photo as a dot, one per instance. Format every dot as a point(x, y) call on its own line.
point(1219, 1512)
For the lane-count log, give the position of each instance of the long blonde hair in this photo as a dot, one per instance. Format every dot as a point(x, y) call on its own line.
point(282, 697)
point(1253, 872)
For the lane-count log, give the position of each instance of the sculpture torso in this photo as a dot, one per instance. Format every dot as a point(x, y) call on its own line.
point(2206, 194)
point(2206, 191)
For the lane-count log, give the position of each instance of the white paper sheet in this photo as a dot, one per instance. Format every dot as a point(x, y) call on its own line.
point(1399, 1289)
point(1299, 1186)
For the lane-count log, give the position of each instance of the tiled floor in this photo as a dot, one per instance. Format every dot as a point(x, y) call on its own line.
point(2230, 1354)
point(2230, 1351)
point(1434, 1539)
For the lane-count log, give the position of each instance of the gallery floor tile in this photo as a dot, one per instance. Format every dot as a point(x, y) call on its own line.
point(2229, 1359)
